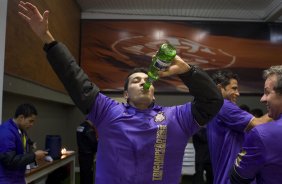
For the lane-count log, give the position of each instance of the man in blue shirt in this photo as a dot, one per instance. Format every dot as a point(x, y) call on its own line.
point(140, 141)
point(226, 131)
point(14, 152)
point(260, 157)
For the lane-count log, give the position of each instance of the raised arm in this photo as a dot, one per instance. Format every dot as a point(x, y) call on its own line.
point(37, 22)
point(76, 82)
point(257, 121)
point(207, 98)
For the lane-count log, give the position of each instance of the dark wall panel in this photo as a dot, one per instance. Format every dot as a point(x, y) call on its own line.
point(24, 56)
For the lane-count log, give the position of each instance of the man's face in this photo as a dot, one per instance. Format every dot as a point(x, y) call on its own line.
point(272, 100)
point(231, 91)
point(26, 122)
point(135, 94)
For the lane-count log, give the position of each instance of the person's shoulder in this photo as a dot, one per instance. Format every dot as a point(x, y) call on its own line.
point(232, 107)
point(227, 106)
point(267, 129)
point(102, 96)
point(186, 108)
point(272, 125)
point(265, 134)
point(228, 103)
point(6, 128)
point(6, 124)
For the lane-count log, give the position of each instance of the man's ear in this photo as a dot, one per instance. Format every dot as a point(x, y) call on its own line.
point(125, 95)
point(21, 116)
point(219, 86)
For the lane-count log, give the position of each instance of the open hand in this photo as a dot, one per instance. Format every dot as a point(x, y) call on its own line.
point(37, 22)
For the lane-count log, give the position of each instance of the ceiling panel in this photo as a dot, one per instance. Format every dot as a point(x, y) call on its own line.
point(227, 10)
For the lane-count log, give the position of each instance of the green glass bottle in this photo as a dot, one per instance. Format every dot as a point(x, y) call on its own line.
point(160, 62)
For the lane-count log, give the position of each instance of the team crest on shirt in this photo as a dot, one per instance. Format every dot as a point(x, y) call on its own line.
point(159, 117)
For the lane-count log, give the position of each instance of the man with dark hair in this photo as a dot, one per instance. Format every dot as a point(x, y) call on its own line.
point(260, 157)
point(227, 129)
point(14, 150)
point(87, 147)
point(140, 141)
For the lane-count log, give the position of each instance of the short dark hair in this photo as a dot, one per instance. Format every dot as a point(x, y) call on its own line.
point(26, 110)
point(257, 112)
point(134, 70)
point(223, 77)
point(245, 107)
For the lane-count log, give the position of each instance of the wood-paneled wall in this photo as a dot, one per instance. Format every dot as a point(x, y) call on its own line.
point(24, 56)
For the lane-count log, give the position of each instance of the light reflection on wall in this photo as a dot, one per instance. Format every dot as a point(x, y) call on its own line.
point(159, 34)
point(199, 36)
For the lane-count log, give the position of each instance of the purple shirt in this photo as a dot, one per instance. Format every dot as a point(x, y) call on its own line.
point(140, 146)
point(261, 154)
point(225, 137)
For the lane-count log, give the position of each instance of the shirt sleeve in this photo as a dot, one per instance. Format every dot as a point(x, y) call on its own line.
point(186, 119)
point(7, 142)
point(233, 117)
point(251, 158)
point(104, 110)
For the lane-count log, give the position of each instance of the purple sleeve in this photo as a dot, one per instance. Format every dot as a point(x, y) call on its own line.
point(103, 110)
point(252, 156)
point(186, 119)
point(234, 117)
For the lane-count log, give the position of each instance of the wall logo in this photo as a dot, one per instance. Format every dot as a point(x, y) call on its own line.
point(193, 52)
